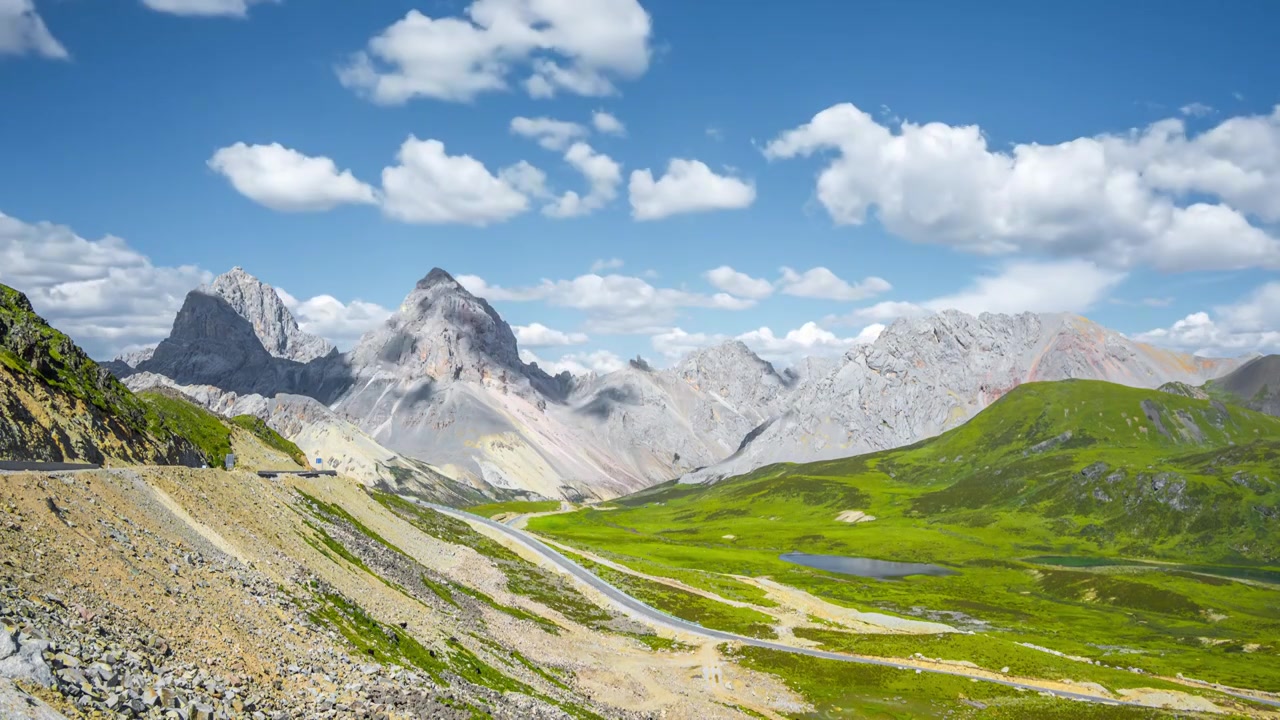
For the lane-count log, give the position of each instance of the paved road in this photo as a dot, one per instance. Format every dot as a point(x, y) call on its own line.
point(24, 466)
point(654, 615)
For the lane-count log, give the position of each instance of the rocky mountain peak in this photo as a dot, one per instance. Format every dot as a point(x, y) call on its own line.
point(444, 332)
point(273, 323)
point(437, 276)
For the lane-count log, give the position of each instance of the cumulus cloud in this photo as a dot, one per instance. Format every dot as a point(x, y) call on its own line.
point(821, 283)
point(675, 343)
point(106, 295)
point(526, 179)
point(607, 123)
point(805, 341)
point(603, 264)
point(1065, 286)
point(550, 133)
point(572, 47)
point(206, 8)
point(1156, 196)
point(688, 186)
point(1072, 286)
point(330, 318)
point(23, 31)
point(808, 340)
point(737, 283)
point(599, 362)
point(603, 177)
point(614, 304)
point(284, 179)
point(536, 335)
point(1250, 325)
point(1196, 109)
point(430, 186)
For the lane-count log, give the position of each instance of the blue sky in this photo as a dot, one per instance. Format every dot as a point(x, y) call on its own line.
point(154, 122)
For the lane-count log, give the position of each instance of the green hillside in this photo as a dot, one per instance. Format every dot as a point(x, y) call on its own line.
point(271, 438)
point(1045, 506)
point(170, 414)
point(29, 346)
point(58, 405)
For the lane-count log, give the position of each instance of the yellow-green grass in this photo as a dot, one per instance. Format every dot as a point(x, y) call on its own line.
point(519, 507)
point(987, 498)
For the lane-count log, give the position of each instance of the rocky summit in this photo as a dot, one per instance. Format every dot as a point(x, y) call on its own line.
point(442, 382)
point(923, 376)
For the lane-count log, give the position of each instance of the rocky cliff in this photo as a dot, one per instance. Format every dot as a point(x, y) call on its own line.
point(923, 376)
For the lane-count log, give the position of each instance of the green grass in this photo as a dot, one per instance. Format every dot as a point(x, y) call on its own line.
point(848, 690)
point(985, 651)
point(984, 501)
point(514, 612)
point(29, 346)
point(168, 415)
point(684, 604)
point(523, 577)
point(270, 437)
point(515, 506)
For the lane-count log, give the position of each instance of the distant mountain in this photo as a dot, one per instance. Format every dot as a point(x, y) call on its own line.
point(1119, 470)
point(441, 381)
point(923, 376)
point(57, 405)
point(1255, 385)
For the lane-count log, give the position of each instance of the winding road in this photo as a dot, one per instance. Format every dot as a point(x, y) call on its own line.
point(651, 614)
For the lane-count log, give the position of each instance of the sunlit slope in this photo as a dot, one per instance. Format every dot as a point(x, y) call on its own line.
point(1085, 464)
point(1041, 505)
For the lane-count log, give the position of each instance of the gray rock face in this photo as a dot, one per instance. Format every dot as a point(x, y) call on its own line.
point(272, 323)
point(441, 381)
point(924, 376)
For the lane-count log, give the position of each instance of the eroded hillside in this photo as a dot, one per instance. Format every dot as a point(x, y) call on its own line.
point(223, 592)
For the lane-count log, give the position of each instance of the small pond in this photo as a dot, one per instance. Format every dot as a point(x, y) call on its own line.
point(863, 567)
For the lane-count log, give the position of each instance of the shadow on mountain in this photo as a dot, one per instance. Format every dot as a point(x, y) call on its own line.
point(211, 344)
point(606, 401)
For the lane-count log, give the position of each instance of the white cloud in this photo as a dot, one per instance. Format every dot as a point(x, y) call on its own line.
point(1151, 302)
point(208, 8)
point(715, 133)
point(675, 343)
point(1250, 325)
point(1064, 286)
point(1196, 109)
point(602, 264)
point(576, 47)
point(805, 341)
point(284, 179)
point(603, 176)
point(23, 31)
point(539, 335)
point(330, 318)
point(550, 133)
point(103, 293)
point(688, 186)
point(430, 186)
point(1112, 198)
point(1071, 286)
point(821, 283)
point(599, 362)
point(614, 304)
point(808, 340)
point(736, 283)
point(525, 178)
point(607, 123)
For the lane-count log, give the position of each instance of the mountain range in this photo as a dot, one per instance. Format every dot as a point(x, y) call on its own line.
point(442, 382)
